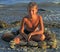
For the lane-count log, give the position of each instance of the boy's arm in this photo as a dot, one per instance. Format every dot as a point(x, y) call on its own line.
point(22, 30)
point(22, 26)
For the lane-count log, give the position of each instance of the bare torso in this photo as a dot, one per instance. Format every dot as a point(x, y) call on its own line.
point(31, 24)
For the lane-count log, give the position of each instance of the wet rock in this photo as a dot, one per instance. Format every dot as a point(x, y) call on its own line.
point(3, 24)
point(51, 39)
point(7, 37)
point(52, 44)
point(12, 44)
point(51, 25)
point(41, 10)
point(23, 43)
point(42, 44)
point(16, 23)
point(32, 43)
point(49, 34)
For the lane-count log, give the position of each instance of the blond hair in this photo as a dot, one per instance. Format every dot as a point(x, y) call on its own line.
point(32, 4)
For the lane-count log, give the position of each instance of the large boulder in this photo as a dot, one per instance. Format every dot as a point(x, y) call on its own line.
point(7, 37)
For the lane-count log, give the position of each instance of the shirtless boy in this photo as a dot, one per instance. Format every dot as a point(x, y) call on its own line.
point(32, 27)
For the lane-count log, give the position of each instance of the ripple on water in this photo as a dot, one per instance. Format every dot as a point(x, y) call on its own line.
point(9, 19)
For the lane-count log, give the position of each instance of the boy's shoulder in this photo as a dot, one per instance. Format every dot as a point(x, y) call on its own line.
point(25, 17)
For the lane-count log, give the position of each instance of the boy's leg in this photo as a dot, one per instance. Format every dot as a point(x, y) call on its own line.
point(38, 37)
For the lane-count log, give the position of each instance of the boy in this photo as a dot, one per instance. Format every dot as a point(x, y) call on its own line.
point(32, 27)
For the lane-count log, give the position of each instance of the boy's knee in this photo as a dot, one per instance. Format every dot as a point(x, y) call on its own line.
point(17, 40)
point(42, 38)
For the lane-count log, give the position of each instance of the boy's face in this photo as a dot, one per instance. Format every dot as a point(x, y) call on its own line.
point(33, 10)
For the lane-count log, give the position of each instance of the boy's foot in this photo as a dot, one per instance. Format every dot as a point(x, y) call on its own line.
point(13, 44)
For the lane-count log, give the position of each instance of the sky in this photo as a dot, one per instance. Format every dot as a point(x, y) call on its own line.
point(25, 1)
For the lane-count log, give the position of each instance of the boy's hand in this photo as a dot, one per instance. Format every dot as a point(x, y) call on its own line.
point(24, 36)
point(29, 36)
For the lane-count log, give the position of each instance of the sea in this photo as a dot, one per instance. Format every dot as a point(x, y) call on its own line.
point(16, 12)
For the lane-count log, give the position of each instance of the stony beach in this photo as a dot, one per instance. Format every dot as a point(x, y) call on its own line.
point(12, 13)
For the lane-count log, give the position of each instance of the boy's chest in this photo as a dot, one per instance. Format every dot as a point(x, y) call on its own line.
point(32, 23)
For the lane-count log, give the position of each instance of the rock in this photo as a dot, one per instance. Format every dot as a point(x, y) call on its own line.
point(3, 24)
point(41, 10)
point(42, 44)
point(52, 44)
point(51, 39)
point(23, 43)
point(32, 43)
point(12, 44)
point(51, 25)
point(49, 35)
point(7, 37)
point(16, 23)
